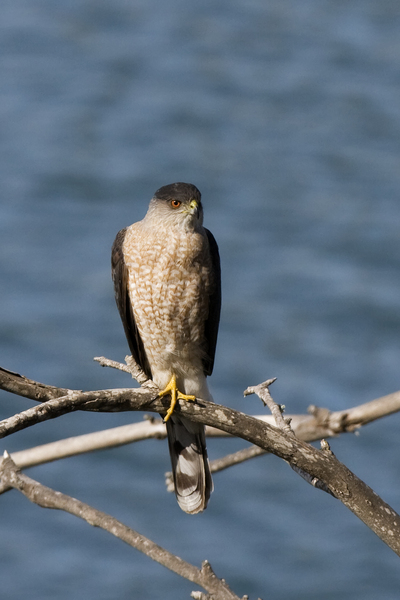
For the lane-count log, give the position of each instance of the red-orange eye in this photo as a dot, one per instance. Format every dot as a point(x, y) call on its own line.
point(175, 203)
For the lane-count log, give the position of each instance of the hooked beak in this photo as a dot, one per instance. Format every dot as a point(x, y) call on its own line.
point(194, 208)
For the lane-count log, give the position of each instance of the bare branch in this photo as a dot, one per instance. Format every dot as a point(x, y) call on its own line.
point(124, 399)
point(48, 498)
point(90, 442)
point(334, 423)
point(304, 427)
point(150, 428)
point(321, 424)
point(343, 484)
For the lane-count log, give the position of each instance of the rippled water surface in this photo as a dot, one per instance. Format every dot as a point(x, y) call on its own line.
point(286, 115)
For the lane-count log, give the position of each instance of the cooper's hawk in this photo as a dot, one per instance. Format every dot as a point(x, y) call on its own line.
point(166, 273)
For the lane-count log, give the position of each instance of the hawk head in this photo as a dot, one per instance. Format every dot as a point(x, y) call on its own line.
point(177, 204)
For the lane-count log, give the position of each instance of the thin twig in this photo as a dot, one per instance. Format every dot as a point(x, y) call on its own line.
point(262, 391)
point(130, 367)
point(113, 364)
point(220, 464)
point(137, 373)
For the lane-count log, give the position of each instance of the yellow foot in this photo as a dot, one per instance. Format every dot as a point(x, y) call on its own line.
point(172, 390)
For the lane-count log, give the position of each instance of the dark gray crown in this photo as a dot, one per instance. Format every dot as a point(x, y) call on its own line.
point(178, 191)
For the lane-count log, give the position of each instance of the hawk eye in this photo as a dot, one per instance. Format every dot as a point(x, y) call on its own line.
point(175, 203)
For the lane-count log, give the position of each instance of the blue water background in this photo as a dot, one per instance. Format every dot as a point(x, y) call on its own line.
point(286, 115)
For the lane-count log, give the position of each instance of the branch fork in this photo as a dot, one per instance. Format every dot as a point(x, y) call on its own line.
point(262, 391)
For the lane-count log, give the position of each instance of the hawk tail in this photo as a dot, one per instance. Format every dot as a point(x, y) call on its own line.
point(190, 467)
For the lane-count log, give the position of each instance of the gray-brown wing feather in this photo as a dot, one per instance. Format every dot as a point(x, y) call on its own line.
point(120, 277)
point(212, 323)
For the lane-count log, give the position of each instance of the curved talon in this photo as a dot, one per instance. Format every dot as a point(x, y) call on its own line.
point(175, 394)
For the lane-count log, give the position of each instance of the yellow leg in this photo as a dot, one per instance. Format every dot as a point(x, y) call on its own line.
point(175, 394)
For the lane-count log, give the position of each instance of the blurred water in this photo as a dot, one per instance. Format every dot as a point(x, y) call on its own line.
point(286, 115)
